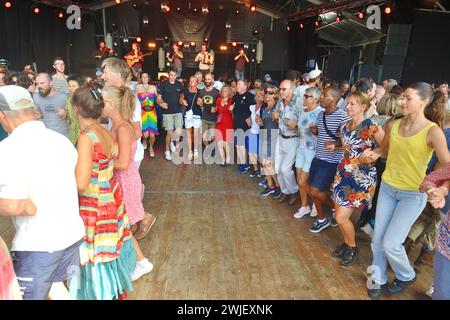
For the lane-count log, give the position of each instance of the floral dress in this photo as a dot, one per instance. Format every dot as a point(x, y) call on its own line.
point(354, 183)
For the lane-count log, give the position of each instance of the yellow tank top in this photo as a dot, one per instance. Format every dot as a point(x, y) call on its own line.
point(407, 159)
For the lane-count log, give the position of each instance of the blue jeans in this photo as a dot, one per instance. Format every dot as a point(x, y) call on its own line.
point(441, 277)
point(397, 210)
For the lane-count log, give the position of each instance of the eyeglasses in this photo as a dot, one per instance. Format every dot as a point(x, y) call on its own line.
point(269, 92)
point(307, 96)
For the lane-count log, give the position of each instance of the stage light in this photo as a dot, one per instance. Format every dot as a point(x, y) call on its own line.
point(237, 11)
point(206, 40)
point(118, 1)
point(165, 7)
point(301, 26)
point(145, 20)
point(36, 10)
point(61, 15)
point(135, 5)
point(255, 32)
point(152, 45)
point(139, 39)
point(192, 44)
point(228, 26)
point(388, 10)
point(317, 23)
point(288, 28)
point(125, 40)
point(8, 4)
point(223, 48)
point(246, 46)
point(234, 43)
point(178, 9)
point(360, 15)
point(205, 9)
point(338, 17)
point(180, 43)
point(253, 8)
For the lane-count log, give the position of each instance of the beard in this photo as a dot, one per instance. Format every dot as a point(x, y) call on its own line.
point(44, 92)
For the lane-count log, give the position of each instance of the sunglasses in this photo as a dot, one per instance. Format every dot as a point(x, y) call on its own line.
point(269, 92)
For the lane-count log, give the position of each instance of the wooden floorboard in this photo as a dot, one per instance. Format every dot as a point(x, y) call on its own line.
point(216, 238)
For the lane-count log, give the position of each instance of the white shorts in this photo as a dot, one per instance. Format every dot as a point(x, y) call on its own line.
point(191, 120)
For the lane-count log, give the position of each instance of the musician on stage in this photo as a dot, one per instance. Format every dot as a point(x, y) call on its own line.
point(135, 58)
point(175, 58)
point(204, 60)
point(101, 54)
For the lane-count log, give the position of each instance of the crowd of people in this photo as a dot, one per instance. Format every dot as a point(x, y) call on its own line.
point(336, 149)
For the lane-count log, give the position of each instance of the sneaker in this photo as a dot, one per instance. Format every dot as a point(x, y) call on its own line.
point(245, 169)
point(240, 168)
point(267, 191)
point(398, 286)
point(339, 252)
point(190, 156)
point(319, 226)
point(350, 256)
point(375, 294)
point(313, 211)
point(168, 156)
point(172, 147)
point(195, 154)
point(152, 153)
point(142, 268)
point(255, 173)
point(367, 229)
point(277, 193)
point(302, 212)
point(263, 183)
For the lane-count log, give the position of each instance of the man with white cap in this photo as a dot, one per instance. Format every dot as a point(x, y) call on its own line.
point(38, 190)
point(313, 80)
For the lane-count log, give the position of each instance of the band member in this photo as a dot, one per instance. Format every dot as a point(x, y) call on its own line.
point(204, 60)
point(102, 53)
point(241, 59)
point(175, 58)
point(135, 58)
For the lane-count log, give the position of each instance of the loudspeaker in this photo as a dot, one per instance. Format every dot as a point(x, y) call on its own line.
point(395, 50)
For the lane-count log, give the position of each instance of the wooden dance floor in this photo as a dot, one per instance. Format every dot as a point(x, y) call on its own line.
point(216, 238)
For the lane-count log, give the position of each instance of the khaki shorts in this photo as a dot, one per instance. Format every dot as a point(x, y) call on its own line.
point(208, 129)
point(173, 121)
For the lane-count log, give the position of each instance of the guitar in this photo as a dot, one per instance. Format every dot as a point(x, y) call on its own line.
point(131, 60)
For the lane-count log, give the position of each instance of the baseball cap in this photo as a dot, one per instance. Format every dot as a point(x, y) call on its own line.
point(15, 98)
point(267, 76)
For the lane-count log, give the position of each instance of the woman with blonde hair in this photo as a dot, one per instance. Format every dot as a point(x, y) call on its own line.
point(119, 103)
point(224, 124)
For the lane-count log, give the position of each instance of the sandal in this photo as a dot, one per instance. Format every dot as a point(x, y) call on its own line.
point(145, 225)
point(195, 154)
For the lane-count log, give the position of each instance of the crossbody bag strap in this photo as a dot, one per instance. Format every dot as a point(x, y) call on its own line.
point(331, 134)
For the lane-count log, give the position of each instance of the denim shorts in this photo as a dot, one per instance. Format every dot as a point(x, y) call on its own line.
point(37, 271)
point(321, 174)
point(304, 159)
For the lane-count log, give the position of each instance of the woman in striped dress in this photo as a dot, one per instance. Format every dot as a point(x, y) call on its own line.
point(147, 95)
point(107, 254)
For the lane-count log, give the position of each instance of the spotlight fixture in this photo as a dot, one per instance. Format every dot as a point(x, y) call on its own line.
point(134, 5)
point(246, 46)
point(180, 43)
point(223, 48)
point(228, 26)
point(165, 8)
point(125, 40)
point(288, 28)
point(152, 45)
point(339, 17)
point(388, 10)
point(234, 43)
point(138, 39)
point(301, 26)
point(192, 44)
point(35, 9)
point(8, 4)
point(118, 1)
point(206, 40)
point(205, 9)
point(253, 8)
point(145, 20)
point(255, 32)
point(360, 15)
point(60, 15)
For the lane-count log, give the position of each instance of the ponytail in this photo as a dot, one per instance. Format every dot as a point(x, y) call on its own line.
point(435, 110)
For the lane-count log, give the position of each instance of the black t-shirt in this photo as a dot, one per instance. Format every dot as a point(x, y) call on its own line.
point(191, 99)
point(241, 111)
point(171, 95)
point(209, 101)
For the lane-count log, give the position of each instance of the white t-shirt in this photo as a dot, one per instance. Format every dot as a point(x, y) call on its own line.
point(255, 127)
point(139, 156)
point(39, 164)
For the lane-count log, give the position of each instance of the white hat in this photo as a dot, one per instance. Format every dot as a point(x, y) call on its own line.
point(15, 98)
point(315, 73)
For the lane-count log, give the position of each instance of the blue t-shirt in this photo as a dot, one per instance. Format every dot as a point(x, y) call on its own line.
point(307, 139)
point(3, 134)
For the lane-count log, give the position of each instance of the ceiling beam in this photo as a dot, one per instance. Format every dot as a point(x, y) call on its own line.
point(105, 4)
point(259, 8)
